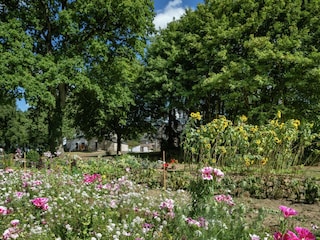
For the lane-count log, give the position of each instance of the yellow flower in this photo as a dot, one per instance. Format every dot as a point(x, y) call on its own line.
point(264, 161)
point(277, 140)
point(254, 129)
point(223, 149)
point(279, 114)
point(258, 141)
point(243, 118)
point(248, 163)
point(196, 115)
point(296, 123)
point(213, 160)
point(208, 146)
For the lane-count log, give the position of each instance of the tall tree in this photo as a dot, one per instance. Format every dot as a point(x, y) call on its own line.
point(70, 39)
point(241, 57)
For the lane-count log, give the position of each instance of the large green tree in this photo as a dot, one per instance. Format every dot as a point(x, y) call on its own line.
point(70, 39)
point(240, 57)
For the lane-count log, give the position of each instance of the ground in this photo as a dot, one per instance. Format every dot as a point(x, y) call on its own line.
point(308, 214)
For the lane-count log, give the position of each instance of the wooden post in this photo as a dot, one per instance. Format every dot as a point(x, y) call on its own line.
point(164, 170)
point(25, 161)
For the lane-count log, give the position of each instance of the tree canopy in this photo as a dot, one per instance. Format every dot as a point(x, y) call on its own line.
point(60, 45)
point(240, 57)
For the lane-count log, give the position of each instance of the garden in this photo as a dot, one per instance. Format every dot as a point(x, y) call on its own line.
point(234, 181)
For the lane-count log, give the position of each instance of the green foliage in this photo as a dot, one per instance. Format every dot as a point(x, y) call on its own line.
point(33, 158)
point(239, 57)
point(54, 49)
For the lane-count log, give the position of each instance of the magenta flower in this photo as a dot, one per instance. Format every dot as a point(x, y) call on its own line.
point(287, 236)
point(41, 203)
point(207, 173)
point(90, 178)
point(287, 212)
point(304, 234)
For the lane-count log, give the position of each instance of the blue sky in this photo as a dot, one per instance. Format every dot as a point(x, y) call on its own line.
point(166, 11)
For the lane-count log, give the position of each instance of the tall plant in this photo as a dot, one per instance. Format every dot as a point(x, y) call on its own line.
point(278, 144)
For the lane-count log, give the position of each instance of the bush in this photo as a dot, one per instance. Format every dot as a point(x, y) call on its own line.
point(33, 159)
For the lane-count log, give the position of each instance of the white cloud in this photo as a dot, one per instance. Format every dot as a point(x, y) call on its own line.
point(173, 10)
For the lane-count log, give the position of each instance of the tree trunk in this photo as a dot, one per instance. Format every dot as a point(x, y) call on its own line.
point(55, 119)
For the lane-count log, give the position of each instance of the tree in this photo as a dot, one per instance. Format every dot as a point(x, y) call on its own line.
point(117, 111)
point(13, 126)
point(70, 39)
point(241, 57)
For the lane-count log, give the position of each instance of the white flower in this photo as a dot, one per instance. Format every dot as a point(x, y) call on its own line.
point(98, 235)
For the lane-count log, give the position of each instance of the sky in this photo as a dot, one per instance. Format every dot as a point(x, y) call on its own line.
point(166, 11)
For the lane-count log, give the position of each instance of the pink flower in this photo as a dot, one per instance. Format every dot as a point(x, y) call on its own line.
point(287, 212)
point(90, 178)
point(19, 194)
point(206, 173)
point(304, 234)
point(224, 198)
point(11, 233)
point(3, 210)
point(254, 237)
point(9, 170)
point(192, 222)
point(287, 236)
point(167, 204)
point(15, 222)
point(41, 203)
point(218, 173)
point(47, 154)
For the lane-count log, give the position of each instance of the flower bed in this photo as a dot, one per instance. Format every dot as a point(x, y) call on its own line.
point(51, 204)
